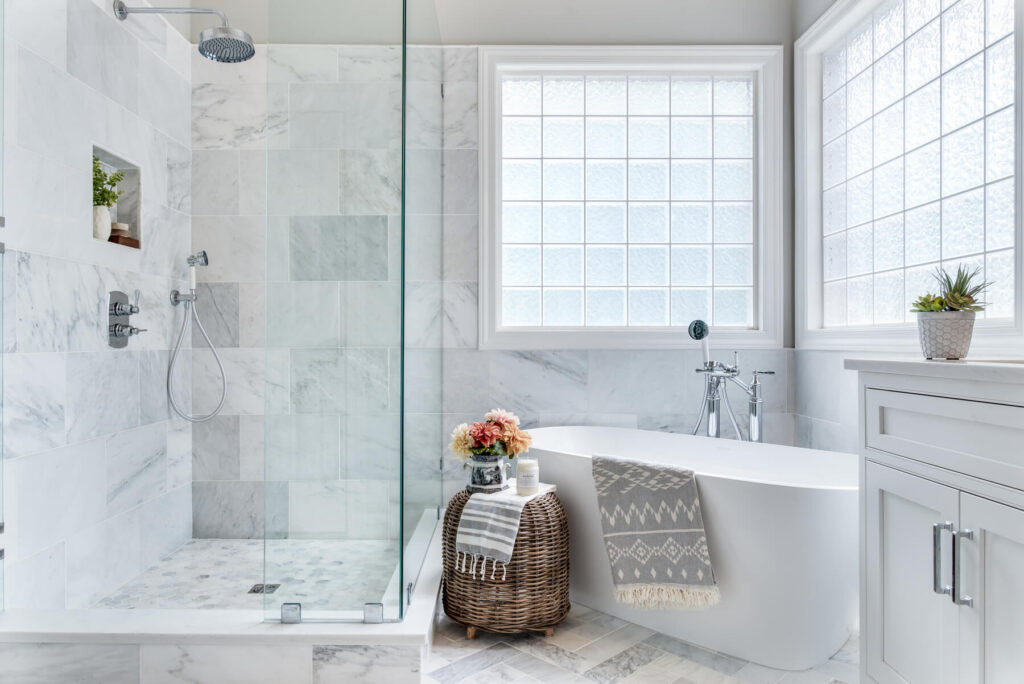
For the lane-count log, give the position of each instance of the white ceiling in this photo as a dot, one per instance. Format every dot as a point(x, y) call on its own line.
point(600, 22)
point(456, 22)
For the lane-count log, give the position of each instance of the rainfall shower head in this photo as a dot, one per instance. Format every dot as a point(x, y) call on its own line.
point(226, 44)
point(220, 44)
point(199, 259)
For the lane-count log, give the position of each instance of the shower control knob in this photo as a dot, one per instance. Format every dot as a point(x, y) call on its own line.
point(121, 309)
point(121, 330)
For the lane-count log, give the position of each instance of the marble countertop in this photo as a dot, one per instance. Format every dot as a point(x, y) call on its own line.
point(982, 370)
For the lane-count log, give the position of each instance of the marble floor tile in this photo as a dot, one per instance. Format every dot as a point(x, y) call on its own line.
point(613, 644)
point(715, 661)
point(752, 673)
point(664, 670)
point(217, 573)
point(590, 646)
point(545, 671)
point(624, 664)
point(470, 666)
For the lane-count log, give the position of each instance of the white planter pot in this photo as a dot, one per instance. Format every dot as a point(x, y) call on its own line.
point(945, 334)
point(101, 223)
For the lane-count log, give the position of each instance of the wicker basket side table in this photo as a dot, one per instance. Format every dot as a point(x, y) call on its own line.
point(534, 597)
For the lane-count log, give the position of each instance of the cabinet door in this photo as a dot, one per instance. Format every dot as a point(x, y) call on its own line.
point(911, 631)
point(991, 573)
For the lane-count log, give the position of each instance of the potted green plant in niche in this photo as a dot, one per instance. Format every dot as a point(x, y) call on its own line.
point(104, 196)
point(945, 322)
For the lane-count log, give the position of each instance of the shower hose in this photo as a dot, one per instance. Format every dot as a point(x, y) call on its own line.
point(190, 311)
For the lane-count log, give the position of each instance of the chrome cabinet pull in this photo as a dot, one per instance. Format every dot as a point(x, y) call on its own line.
point(937, 585)
point(958, 599)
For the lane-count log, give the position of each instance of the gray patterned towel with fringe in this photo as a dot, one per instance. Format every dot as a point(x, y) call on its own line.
point(654, 534)
point(488, 529)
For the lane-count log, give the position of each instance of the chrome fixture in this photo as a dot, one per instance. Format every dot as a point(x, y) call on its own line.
point(291, 613)
point(220, 43)
point(119, 327)
point(373, 613)
point(189, 300)
point(937, 529)
point(716, 376)
point(959, 598)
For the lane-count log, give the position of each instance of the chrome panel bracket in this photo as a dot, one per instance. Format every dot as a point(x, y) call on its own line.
point(373, 613)
point(291, 613)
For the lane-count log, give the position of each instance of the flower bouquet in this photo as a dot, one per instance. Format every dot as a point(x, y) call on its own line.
point(484, 446)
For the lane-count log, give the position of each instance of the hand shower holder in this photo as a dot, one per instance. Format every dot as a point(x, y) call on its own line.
point(177, 297)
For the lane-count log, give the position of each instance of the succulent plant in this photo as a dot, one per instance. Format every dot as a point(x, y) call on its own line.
point(928, 302)
point(956, 293)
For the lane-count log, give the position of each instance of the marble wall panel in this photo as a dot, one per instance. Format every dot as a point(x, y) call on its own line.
point(225, 664)
point(101, 53)
point(369, 664)
point(94, 463)
point(136, 467)
point(239, 510)
point(80, 663)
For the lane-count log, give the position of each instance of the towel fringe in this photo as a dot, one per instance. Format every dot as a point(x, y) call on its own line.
point(647, 595)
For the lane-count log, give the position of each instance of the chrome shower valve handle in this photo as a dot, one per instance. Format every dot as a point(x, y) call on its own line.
point(122, 330)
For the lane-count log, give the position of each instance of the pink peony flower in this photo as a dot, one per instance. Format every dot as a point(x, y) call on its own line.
point(485, 434)
point(505, 418)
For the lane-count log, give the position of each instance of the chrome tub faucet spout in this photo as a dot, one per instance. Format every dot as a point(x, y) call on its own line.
point(717, 375)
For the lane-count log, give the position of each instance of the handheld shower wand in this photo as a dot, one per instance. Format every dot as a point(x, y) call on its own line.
point(699, 331)
point(189, 300)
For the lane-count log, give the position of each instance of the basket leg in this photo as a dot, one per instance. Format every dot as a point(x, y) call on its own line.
point(470, 632)
point(549, 631)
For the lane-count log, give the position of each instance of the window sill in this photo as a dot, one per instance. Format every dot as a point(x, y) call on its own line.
point(997, 338)
point(620, 338)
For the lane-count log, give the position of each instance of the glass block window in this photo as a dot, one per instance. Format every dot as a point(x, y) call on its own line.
point(627, 200)
point(917, 157)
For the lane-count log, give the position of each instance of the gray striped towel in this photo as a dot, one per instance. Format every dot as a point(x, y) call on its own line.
point(488, 528)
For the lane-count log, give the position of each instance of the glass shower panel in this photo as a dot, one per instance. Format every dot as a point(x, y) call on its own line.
point(333, 312)
point(3, 308)
point(425, 325)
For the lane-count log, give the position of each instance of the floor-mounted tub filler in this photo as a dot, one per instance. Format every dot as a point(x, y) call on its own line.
point(782, 532)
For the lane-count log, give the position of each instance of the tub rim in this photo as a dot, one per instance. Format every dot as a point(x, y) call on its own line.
point(854, 474)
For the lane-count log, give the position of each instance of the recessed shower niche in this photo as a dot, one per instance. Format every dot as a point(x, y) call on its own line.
point(117, 191)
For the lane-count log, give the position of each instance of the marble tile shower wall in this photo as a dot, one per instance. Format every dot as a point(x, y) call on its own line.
point(646, 389)
point(305, 304)
point(97, 475)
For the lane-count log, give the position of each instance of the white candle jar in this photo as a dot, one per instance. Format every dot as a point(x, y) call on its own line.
point(527, 476)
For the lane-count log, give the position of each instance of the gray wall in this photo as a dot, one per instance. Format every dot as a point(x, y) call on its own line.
point(96, 473)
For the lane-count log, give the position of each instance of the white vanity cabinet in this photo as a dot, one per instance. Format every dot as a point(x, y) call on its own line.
point(942, 513)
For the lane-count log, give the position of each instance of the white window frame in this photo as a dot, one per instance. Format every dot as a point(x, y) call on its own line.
point(765, 62)
point(996, 337)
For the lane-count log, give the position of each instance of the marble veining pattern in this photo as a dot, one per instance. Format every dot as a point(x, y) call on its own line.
point(79, 663)
point(217, 573)
point(366, 664)
point(590, 646)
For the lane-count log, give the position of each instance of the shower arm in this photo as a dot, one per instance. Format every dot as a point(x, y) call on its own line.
point(121, 11)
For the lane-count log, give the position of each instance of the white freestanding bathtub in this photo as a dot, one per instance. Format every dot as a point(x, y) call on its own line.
point(782, 533)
